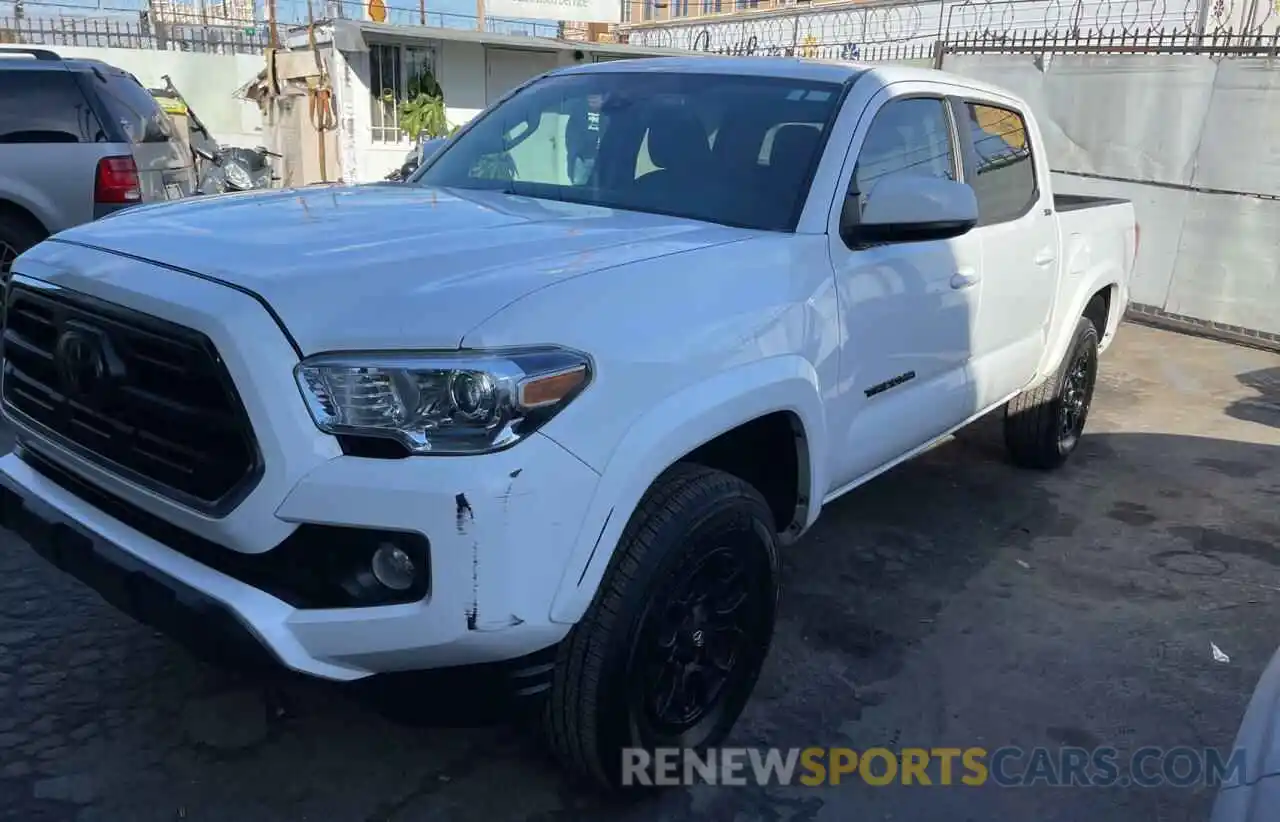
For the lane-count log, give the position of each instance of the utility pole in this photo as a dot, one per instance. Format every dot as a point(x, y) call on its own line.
point(273, 36)
point(422, 12)
point(479, 15)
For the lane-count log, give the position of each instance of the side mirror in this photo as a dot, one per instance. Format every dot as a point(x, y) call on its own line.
point(904, 208)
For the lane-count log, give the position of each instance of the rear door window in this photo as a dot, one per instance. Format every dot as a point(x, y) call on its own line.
point(1003, 175)
point(133, 107)
point(44, 107)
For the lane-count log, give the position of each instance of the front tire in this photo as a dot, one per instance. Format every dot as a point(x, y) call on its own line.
point(670, 649)
point(1043, 425)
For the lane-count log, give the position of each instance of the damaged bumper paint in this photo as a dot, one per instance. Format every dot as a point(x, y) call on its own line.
point(500, 527)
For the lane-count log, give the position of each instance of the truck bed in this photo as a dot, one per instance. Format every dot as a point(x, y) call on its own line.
point(1074, 202)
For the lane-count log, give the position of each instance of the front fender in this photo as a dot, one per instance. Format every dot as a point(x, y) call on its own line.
point(669, 431)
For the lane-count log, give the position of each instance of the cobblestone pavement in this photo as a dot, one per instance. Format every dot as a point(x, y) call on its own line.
point(955, 601)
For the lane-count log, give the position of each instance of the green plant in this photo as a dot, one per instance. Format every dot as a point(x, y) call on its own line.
point(423, 111)
point(494, 167)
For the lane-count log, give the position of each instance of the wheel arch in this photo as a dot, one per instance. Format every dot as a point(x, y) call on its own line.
point(1083, 303)
point(702, 424)
point(1101, 310)
point(12, 208)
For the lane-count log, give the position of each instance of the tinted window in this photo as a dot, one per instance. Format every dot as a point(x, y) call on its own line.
point(689, 145)
point(906, 137)
point(787, 130)
point(133, 107)
point(1004, 177)
point(44, 107)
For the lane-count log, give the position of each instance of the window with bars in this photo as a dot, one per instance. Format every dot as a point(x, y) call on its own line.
point(392, 70)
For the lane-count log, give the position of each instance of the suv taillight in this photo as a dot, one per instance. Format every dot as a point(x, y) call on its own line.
point(117, 181)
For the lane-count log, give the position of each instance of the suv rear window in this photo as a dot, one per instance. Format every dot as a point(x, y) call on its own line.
point(133, 107)
point(44, 106)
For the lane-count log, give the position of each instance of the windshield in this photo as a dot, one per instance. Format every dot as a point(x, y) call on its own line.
point(721, 148)
point(134, 108)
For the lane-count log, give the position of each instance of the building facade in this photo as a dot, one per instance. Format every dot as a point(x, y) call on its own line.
point(203, 12)
point(589, 32)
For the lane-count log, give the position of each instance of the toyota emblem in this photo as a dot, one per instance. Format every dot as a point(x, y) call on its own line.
point(81, 357)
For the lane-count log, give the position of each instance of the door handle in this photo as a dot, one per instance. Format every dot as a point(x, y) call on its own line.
point(964, 278)
point(1045, 257)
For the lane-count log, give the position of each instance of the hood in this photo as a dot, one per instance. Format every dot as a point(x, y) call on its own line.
point(390, 265)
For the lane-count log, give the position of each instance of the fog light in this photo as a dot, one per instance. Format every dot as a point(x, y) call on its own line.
point(393, 568)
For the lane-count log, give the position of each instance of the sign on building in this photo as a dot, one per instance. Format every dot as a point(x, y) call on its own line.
point(575, 11)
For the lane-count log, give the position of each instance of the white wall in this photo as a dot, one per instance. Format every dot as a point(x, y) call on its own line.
point(462, 74)
point(363, 160)
point(206, 80)
point(461, 69)
point(1190, 139)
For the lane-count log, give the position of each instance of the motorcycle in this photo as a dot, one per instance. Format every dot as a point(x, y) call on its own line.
point(233, 168)
point(415, 158)
point(222, 169)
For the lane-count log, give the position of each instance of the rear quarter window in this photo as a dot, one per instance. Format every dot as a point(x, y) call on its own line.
point(133, 107)
point(44, 106)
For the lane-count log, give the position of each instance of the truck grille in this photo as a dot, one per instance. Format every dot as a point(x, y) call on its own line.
point(144, 398)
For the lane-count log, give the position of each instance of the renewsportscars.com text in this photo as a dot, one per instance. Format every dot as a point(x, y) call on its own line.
point(1101, 767)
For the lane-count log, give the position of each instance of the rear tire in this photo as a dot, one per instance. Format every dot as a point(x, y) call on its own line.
point(17, 234)
point(1043, 425)
point(670, 648)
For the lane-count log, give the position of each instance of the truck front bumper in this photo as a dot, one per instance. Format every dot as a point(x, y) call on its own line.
point(500, 529)
point(201, 623)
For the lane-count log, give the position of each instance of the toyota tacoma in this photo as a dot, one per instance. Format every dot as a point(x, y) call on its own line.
point(556, 411)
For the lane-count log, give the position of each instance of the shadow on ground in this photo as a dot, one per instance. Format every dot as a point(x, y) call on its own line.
point(1265, 407)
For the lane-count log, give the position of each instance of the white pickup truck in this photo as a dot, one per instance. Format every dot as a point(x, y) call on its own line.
point(557, 402)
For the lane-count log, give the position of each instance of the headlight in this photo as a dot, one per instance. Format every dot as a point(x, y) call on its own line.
point(237, 175)
point(442, 403)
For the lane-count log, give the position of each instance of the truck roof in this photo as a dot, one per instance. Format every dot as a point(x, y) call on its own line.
point(796, 68)
point(786, 67)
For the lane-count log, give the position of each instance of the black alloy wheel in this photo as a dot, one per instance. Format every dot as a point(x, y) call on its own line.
point(699, 642)
point(1077, 395)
